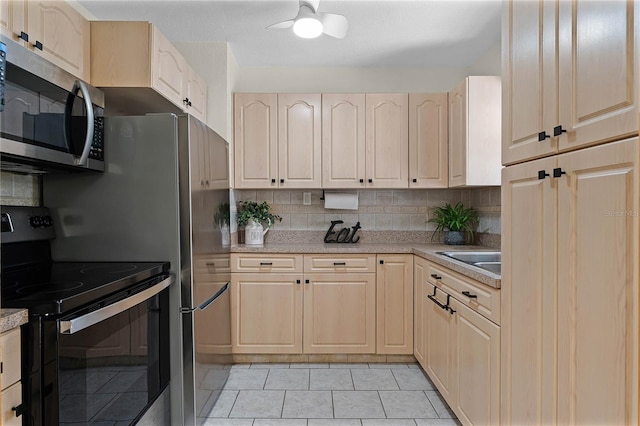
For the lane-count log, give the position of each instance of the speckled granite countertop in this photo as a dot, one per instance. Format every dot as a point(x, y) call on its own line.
point(427, 251)
point(12, 318)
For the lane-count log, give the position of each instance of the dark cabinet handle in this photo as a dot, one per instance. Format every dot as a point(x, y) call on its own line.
point(339, 263)
point(266, 263)
point(414, 180)
point(558, 130)
point(558, 172)
point(436, 276)
point(469, 295)
point(361, 180)
point(306, 281)
point(542, 136)
point(542, 174)
point(23, 36)
point(19, 410)
point(38, 45)
point(273, 181)
point(297, 281)
point(382, 262)
point(187, 102)
point(281, 180)
point(370, 180)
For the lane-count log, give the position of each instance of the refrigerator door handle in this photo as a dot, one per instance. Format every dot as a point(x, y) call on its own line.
point(204, 305)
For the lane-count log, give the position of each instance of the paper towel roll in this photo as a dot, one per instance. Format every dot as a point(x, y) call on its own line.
point(341, 200)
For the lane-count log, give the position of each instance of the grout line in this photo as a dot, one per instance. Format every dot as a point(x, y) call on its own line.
point(381, 403)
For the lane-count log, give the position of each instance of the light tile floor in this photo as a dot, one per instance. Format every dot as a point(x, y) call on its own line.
point(328, 395)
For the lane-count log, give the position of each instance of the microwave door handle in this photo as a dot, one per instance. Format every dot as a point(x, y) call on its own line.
point(80, 323)
point(79, 85)
point(204, 305)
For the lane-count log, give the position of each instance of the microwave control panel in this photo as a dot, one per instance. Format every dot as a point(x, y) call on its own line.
point(3, 71)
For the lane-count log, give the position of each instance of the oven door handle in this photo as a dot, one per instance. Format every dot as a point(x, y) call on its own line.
point(204, 305)
point(80, 86)
point(77, 324)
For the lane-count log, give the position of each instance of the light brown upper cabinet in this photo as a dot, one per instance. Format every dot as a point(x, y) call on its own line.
point(474, 132)
point(365, 140)
point(277, 140)
point(428, 140)
point(135, 54)
point(343, 142)
point(387, 140)
point(566, 85)
point(53, 29)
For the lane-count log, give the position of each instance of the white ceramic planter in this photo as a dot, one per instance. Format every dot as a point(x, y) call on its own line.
point(254, 234)
point(226, 235)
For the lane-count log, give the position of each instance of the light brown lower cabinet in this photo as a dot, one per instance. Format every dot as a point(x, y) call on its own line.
point(394, 295)
point(457, 346)
point(11, 395)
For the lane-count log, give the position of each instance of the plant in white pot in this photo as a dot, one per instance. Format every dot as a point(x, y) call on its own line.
point(455, 222)
point(222, 218)
point(256, 218)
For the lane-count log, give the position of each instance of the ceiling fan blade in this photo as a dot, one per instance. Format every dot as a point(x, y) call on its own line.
point(334, 25)
point(280, 25)
point(313, 4)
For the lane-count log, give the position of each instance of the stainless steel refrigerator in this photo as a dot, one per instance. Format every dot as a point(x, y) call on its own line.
point(163, 196)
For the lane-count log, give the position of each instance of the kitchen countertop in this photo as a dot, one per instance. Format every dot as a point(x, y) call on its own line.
point(12, 318)
point(426, 251)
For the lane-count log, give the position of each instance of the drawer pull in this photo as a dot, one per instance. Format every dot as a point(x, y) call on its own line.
point(436, 276)
point(469, 295)
point(297, 281)
point(266, 263)
point(339, 263)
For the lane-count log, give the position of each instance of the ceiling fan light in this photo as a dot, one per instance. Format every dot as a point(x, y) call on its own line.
point(307, 27)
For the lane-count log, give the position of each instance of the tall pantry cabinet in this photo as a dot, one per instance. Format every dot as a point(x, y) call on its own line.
point(570, 317)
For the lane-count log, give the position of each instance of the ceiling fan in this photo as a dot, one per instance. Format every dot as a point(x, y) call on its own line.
point(309, 23)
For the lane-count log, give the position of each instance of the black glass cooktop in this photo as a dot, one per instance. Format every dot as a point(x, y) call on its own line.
point(60, 287)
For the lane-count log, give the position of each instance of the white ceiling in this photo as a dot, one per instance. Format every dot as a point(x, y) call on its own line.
point(391, 33)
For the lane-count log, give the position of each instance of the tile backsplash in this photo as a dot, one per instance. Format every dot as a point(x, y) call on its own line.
point(19, 189)
point(378, 210)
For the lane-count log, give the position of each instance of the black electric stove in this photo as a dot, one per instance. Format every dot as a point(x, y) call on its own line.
point(60, 287)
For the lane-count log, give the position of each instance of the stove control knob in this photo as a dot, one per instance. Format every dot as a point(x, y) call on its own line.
point(47, 221)
point(35, 221)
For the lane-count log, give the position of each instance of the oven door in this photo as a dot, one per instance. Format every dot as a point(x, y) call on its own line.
point(113, 362)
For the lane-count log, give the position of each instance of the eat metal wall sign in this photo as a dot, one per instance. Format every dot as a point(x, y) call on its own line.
point(345, 235)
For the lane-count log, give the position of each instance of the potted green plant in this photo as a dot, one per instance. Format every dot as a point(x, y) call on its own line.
point(222, 218)
point(454, 222)
point(255, 217)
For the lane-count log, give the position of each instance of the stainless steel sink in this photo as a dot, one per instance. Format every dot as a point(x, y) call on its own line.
point(488, 260)
point(474, 256)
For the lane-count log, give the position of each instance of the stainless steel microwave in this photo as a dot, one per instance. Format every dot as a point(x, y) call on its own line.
point(50, 121)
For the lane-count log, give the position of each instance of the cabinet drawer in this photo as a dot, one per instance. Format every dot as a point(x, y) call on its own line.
point(340, 263)
point(266, 263)
point(10, 342)
point(11, 397)
point(213, 264)
point(487, 300)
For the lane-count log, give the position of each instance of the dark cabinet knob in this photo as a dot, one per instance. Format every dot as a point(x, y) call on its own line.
point(370, 180)
point(23, 36)
point(414, 180)
point(38, 45)
point(542, 136)
point(281, 180)
point(558, 130)
point(382, 262)
point(186, 101)
point(20, 409)
point(306, 281)
point(273, 181)
point(542, 174)
point(361, 180)
point(558, 172)
point(297, 281)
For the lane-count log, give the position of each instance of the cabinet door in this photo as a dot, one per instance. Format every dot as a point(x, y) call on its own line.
point(529, 75)
point(266, 313)
point(394, 294)
point(428, 140)
point(528, 293)
point(13, 18)
point(343, 141)
point(64, 33)
point(419, 309)
point(387, 140)
point(299, 141)
point(598, 296)
point(168, 68)
point(11, 398)
point(477, 369)
point(340, 313)
point(598, 74)
point(458, 135)
point(439, 343)
point(255, 140)
point(195, 93)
